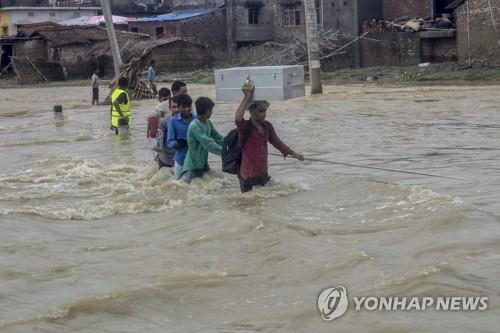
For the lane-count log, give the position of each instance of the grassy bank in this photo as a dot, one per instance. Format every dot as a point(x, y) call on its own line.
point(413, 74)
point(387, 74)
point(448, 72)
point(12, 83)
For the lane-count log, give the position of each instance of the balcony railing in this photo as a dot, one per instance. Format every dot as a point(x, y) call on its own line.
point(76, 3)
point(48, 3)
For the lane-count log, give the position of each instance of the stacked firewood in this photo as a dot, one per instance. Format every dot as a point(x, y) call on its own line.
point(138, 88)
point(381, 26)
point(441, 22)
point(142, 90)
point(295, 50)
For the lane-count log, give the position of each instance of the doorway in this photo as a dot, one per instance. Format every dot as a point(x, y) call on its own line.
point(6, 51)
point(440, 7)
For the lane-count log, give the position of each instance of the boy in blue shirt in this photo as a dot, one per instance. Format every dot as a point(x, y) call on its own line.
point(177, 132)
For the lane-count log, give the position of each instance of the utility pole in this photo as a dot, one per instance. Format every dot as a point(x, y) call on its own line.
point(115, 49)
point(313, 47)
point(230, 26)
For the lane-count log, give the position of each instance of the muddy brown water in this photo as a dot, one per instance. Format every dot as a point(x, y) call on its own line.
point(95, 239)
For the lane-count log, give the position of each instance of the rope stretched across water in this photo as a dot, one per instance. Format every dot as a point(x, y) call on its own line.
point(374, 168)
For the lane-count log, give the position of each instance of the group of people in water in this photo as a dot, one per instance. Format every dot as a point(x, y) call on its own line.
point(182, 139)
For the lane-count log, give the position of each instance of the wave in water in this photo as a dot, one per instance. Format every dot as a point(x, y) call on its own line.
point(119, 302)
point(347, 205)
point(83, 189)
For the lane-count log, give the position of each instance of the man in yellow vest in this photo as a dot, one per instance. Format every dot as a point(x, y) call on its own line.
point(120, 105)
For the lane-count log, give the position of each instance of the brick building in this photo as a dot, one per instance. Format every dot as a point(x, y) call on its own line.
point(70, 46)
point(478, 36)
point(410, 48)
point(262, 20)
point(415, 8)
point(195, 4)
point(234, 23)
point(257, 21)
point(140, 8)
point(205, 26)
point(253, 22)
point(408, 8)
point(14, 12)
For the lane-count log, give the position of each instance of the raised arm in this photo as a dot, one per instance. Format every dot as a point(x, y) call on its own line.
point(247, 96)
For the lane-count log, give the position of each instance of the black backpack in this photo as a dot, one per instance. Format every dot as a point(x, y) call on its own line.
point(231, 149)
point(231, 153)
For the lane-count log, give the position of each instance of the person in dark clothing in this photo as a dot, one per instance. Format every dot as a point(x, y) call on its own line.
point(179, 88)
point(257, 132)
point(95, 87)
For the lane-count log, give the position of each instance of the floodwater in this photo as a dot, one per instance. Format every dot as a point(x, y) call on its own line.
point(94, 239)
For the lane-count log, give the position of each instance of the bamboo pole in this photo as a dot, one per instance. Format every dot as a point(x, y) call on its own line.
point(36, 69)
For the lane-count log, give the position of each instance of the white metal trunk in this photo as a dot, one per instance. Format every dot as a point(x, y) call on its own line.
point(273, 83)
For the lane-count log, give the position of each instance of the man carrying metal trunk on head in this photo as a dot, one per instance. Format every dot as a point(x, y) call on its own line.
point(254, 134)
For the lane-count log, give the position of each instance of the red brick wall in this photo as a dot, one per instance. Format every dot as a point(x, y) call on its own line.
point(208, 29)
point(36, 49)
point(407, 8)
point(477, 38)
point(391, 49)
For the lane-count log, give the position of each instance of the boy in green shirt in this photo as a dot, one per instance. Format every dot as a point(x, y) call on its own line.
point(202, 138)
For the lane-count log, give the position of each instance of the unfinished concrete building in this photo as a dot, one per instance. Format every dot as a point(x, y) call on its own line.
point(410, 34)
point(394, 9)
point(478, 36)
point(140, 7)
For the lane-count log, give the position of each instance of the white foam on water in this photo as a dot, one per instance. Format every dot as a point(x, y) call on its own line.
point(420, 195)
point(347, 205)
point(86, 189)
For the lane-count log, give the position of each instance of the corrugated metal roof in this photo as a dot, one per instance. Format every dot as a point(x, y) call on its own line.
point(175, 16)
point(81, 20)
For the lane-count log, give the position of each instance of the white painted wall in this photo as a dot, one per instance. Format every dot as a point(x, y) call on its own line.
point(26, 15)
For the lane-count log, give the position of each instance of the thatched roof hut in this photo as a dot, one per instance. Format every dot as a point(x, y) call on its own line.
point(172, 54)
point(70, 45)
